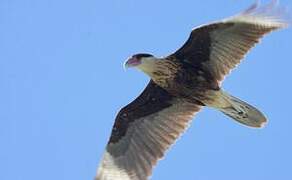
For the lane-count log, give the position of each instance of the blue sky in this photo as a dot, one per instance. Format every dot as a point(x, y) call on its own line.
point(62, 83)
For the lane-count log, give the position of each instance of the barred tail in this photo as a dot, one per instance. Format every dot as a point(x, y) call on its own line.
point(243, 112)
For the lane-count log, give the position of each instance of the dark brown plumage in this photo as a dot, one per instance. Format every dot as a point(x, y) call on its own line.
point(152, 100)
point(180, 85)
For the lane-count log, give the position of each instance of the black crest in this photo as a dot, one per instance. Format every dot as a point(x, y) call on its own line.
point(142, 55)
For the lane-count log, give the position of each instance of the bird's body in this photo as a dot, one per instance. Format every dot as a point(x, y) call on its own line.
point(185, 81)
point(181, 84)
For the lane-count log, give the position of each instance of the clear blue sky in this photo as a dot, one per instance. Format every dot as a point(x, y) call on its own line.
point(62, 83)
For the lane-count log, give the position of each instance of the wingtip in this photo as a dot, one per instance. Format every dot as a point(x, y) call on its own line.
point(252, 8)
point(257, 8)
point(270, 14)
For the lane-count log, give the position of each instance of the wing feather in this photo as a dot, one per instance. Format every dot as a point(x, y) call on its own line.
point(132, 153)
point(219, 47)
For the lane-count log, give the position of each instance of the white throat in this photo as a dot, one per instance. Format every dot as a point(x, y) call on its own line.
point(148, 65)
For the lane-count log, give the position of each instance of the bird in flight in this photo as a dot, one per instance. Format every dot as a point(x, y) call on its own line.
point(181, 84)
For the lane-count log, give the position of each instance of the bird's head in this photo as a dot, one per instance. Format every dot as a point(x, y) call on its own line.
point(142, 61)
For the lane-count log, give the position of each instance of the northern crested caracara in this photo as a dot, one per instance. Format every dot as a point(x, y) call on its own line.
point(181, 84)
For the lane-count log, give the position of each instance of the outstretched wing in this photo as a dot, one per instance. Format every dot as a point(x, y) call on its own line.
point(142, 132)
point(218, 47)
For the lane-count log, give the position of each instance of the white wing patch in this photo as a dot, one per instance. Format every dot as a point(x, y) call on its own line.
point(269, 15)
point(230, 45)
point(147, 139)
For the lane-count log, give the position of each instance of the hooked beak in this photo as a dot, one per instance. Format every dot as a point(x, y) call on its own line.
point(132, 62)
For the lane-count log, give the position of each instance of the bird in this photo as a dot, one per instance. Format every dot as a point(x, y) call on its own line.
point(181, 84)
